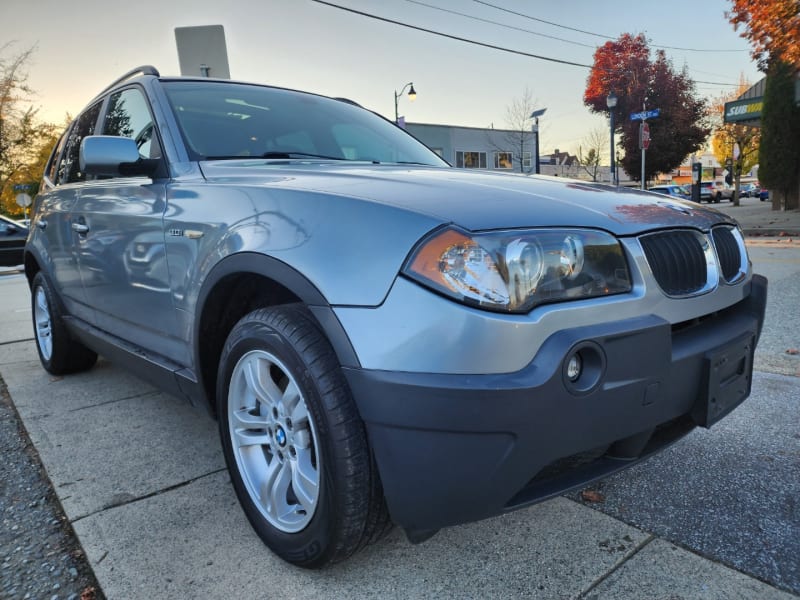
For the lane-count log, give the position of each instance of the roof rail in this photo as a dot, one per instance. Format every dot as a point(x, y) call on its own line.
point(143, 70)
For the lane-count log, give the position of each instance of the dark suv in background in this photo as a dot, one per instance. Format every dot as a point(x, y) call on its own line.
point(12, 242)
point(382, 337)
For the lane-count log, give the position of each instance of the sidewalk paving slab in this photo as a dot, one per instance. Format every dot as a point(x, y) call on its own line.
point(194, 542)
point(106, 437)
point(652, 574)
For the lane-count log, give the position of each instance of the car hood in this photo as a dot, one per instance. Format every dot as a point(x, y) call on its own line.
point(475, 200)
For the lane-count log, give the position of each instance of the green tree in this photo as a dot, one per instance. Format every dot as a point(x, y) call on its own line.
point(779, 156)
point(22, 135)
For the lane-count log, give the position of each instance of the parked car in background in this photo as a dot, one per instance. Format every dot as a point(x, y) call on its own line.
point(763, 194)
point(383, 338)
point(706, 192)
point(715, 191)
point(674, 190)
point(12, 242)
point(749, 190)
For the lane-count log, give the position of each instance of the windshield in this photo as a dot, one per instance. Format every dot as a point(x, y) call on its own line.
point(222, 120)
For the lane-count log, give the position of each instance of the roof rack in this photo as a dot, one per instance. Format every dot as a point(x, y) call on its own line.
point(143, 70)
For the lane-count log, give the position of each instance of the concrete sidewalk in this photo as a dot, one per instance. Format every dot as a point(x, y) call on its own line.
point(141, 478)
point(758, 219)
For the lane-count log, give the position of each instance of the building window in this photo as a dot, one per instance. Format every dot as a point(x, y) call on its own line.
point(470, 160)
point(503, 160)
point(526, 160)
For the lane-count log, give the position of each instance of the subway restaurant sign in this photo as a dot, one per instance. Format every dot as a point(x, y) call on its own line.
point(743, 110)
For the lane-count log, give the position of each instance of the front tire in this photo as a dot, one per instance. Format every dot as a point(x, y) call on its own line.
point(58, 352)
point(293, 440)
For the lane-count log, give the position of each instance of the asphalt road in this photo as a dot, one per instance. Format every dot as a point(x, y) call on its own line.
point(716, 516)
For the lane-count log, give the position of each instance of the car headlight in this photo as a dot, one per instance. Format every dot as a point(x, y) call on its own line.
point(514, 271)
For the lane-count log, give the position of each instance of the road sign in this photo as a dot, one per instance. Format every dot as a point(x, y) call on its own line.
point(24, 200)
point(645, 114)
point(644, 135)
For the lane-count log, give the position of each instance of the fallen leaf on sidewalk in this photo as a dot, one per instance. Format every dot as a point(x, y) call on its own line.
point(592, 496)
point(793, 351)
point(89, 593)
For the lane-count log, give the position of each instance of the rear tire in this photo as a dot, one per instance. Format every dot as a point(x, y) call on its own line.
point(293, 440)
point(58, 352)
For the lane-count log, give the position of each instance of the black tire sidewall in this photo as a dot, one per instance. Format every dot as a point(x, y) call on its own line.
point(56, 363)
point(311, 546)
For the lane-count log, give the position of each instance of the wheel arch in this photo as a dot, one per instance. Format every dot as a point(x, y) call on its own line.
point(245, 282)
point(32, 266)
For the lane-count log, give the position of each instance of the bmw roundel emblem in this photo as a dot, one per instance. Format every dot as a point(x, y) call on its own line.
point(280, 436)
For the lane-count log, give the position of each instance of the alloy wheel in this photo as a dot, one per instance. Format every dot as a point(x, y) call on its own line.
point(274, 441)
point(44, 324)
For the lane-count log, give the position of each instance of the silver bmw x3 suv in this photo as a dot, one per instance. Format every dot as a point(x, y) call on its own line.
point(383, 339)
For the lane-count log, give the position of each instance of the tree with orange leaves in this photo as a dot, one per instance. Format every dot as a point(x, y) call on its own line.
point(624, 66)
point(771, 26)
point(728, 136)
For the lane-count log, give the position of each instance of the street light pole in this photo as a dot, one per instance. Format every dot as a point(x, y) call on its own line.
point(411, 96)
point(611, 102)
point(535, 116)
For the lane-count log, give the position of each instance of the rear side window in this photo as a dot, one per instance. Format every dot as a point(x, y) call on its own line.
point(129, 116)
point(69, 165)
point(52, 165)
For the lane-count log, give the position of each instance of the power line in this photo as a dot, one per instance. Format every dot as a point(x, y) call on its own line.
point(600, 35)
point(460, 14)
point(468, 41)
point(453, 37)
point(607, 37)
point(552, 37)
point(716, 83)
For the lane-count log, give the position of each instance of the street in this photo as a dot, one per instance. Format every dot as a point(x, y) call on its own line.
point(141, 477)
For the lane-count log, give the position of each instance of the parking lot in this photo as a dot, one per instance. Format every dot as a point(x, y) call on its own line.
point(142, 480)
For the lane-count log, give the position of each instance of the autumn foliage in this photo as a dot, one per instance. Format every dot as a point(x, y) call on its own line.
point(625, 67)
point(771, 26)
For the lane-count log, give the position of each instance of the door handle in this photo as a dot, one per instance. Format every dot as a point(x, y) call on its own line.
point(81, 228)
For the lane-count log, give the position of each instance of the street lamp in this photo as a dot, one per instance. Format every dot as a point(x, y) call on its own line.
point(611, 102)
point(535, 116)
point(411, 96)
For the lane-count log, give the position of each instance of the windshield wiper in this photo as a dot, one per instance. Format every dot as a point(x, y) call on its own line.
point(283, 155)
point(299, 154)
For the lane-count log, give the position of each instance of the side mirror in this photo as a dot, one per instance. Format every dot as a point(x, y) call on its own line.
point(113, 156)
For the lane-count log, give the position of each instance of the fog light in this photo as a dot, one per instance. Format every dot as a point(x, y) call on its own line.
point(574, 367)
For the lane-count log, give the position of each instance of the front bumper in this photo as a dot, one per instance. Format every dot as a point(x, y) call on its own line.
point(454, 448)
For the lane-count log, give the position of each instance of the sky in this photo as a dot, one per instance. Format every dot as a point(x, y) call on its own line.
point(83, 45)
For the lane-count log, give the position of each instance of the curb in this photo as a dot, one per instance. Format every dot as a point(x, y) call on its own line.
point(771, 232)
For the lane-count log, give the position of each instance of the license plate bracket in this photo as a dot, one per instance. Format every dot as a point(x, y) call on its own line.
point(727, 379)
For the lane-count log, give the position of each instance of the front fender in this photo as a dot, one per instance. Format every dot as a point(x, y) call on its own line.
point(281, 275)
